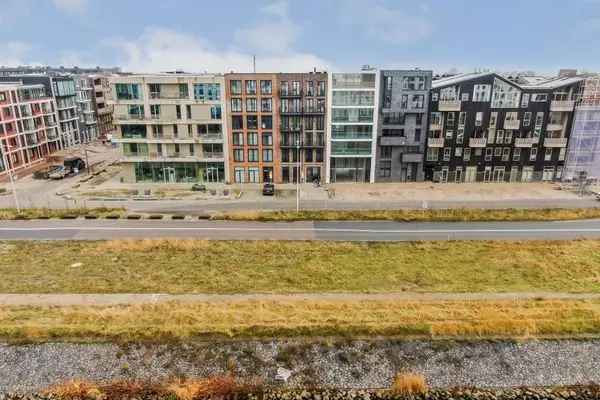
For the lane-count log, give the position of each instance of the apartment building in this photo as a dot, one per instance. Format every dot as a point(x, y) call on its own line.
point(28, 126)
point(104, 111)
point(402, 125)
point(353, 103)
point(583, 155)
point(88, 123)
point(252, 125)
point(486, 128)
point(62, 88)
point(303, 105)
point(170, 127)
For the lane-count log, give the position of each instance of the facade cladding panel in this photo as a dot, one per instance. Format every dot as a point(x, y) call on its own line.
point(404, 101)
point(485, 128)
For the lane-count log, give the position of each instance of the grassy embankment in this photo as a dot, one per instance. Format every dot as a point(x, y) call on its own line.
point(197, 266)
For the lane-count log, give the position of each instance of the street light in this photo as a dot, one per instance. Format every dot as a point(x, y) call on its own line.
point(298, 174)
point(10, 177)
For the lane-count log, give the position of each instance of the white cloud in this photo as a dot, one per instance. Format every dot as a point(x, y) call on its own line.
point(71, 6)
point(275, 34)
point(160, 49)
point(380, 22)
point(13, 53)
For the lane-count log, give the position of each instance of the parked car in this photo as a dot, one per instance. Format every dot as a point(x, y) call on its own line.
point(58, 173)
point(268, 189)
point(45, 173)
point(198, 187)
point(74, 165)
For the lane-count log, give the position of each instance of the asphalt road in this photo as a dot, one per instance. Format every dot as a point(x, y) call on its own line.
point(343, 231)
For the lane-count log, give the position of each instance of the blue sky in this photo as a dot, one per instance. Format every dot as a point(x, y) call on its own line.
point(286, 35)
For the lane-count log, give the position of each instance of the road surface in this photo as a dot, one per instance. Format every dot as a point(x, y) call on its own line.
point(343, 231)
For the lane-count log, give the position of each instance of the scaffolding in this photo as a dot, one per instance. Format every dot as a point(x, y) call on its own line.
point(583, 156)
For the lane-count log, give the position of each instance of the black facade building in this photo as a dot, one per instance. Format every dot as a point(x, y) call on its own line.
point(486, 128)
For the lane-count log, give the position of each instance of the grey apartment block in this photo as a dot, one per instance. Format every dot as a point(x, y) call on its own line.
point(402, 128)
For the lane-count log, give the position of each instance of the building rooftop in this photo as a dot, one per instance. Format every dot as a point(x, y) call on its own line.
point(453, 80)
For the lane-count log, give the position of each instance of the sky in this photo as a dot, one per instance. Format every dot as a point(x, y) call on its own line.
point(288, 35)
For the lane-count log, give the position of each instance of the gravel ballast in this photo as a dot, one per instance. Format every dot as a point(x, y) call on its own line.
point(327, 364)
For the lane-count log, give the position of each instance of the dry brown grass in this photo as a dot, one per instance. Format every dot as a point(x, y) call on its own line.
point(75, 389)
point(290, 318)
point(216, 386)
point(408, 383)
point(444, 215)
point(36, 213)
point(147, 245)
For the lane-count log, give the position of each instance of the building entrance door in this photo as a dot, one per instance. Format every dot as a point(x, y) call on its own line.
point(211, 175)
point(471, 174)
point(499, 174)
point(169, 173)
point(487, 174)
point(527, 174)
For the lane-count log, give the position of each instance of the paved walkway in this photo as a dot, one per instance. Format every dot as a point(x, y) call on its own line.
point(132, 298)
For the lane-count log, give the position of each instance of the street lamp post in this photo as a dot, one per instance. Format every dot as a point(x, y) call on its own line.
point(12, 181)
point(298, 175)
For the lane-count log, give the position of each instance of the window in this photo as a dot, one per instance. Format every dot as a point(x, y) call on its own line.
point(500, 136)
point(201, 129)
point(135, 110)
point(252, 155)
point(252, 122)
point(489, 152)
point(449, 133)
point(251, 104)
point(533, 154)
point(155, 111)
point(497, 151)
point(385, 169)
point(462, 118)
point(321, 88)
point(252, 139)
point(404, 101)
point(239, 175)
point(450, 119)
point(235, 87)
point(236, 105)
point(434, 96)
point(209, 91)
point(285, 88)
point(191, 150)
point(253, 175)
point(188, 109)
point(266, 122)
point(432, 153)
point(215, 112)
point(417, 135)
point(436, 118)
point(418, 101)
point(460, 134)
point(467, 154)
point(539, 98)
point(458, 152)
point(479, 119)
point(251, 87)
point(295, 88)
point(527, 119)
point(178, 111)
point(548, 154)
point(237, 122)
point(505, 95)
point(175, 131)
point(447, 153)
point(266, 105)
point(310, 88)
point(133, 131)
point(525, 100)
point(506, 154)
point(238, 155)
point(267, 139)
point(561, 154)
point(238, 139)
point(128, 91)
point(266, 87)
point(482, 93)
point(385, 151)
point(464, 96)
point(508, 137)
point(267, 155)
point(516, 154)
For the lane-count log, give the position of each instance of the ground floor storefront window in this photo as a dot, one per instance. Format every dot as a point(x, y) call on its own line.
point(170, 172)
point(350, 169)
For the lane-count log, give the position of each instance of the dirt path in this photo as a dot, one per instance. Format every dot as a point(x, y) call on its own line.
point(130, 299)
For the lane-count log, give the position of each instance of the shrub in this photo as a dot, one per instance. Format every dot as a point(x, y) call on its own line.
point(408, 383)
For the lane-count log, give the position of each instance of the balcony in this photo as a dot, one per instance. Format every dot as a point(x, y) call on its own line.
point(436, 126)
point(435, 142)
point(126, 117)
point(555, 142)
point(163, 96)
point(211, 137)
point(213, 155)
point(290, 93)
point(514, 124)
point(562, 105)
point(477, 142)
point(525, 142)
point(449, 105)
point(554, 126)
point(291, 111)
point(393, 141)
point(412, 158)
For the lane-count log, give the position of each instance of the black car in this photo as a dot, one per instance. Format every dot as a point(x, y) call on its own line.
point(268, 189)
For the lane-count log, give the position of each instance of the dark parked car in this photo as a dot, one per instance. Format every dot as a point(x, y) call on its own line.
point(268, 189)
point(197, 187)
point(45, 173)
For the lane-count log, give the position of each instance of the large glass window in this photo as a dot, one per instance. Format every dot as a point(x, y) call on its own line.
point(178, 172)
point(215, 112)
point(128, 91)
point(350, 148)
point(265, 87)
point(352, 115)
point(133, 131)
point(351, 131)
point(207, 91)
point(251, 87)
point(235, 87)
point(353, 98)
